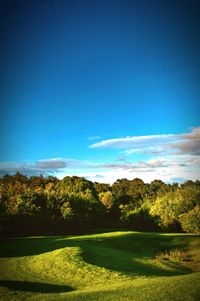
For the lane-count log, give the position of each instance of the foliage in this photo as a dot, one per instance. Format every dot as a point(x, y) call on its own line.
point(101, 187)
point(107, 199)
point(173, 255)
point(67, 211)
point(39, 205)
point(128, 191)
point(138, 219)
point(190, 221)
point(174, 204)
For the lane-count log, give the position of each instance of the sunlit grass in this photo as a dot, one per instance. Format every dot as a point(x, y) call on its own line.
point(108, 266)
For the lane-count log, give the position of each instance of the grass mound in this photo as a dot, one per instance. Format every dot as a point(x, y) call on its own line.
point(109, 266)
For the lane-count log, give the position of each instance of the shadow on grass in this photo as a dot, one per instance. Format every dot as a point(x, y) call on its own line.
point(141, 243)
point(127, 263)
point(129, 253)
point(34, 287)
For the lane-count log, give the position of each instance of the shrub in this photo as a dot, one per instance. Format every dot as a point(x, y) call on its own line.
point(139, 219)
point(190, 221)
point(173, 255)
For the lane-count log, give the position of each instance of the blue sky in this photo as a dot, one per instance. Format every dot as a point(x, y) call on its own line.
point(79, 73)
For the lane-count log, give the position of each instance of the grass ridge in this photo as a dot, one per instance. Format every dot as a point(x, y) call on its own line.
point(108, 266)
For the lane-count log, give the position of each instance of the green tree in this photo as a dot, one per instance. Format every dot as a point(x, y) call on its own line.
point(138, 218)
point(102, 187)
point(107, 199)
point(67, 211)
point(170, 206)
point(190, 221)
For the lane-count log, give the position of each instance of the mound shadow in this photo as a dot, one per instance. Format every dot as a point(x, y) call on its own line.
point(127, 254)
point(27, 246)
point(130, 265)
point(130, 254)
point(34, 287)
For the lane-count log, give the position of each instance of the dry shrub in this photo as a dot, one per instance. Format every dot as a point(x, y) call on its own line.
point(173, 255)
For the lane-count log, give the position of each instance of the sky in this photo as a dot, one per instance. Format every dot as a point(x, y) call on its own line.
point(100, 89)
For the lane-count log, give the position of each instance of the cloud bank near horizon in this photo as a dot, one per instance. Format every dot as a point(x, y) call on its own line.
point(169, 157)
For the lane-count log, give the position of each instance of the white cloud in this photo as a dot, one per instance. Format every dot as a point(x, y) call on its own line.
point(173, 156)
point(161, 168)
point(156, 168)
point(169, 157)
point(111, 175)
point(186, 143)
point(137, 142)
point(135, 166)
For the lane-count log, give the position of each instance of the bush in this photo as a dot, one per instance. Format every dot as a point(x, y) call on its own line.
point(173, 255)
point(139, 219)
point(190, 221)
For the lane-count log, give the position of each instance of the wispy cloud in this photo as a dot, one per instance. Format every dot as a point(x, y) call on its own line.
point(45, 167)
point(161, 168)
point(169, 157)
point(136, 166)
point(137, 142)
point(188, 143)
point(55, 163)
point(185, 143)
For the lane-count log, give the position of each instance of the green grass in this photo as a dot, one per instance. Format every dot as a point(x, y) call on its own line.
point(110, 266)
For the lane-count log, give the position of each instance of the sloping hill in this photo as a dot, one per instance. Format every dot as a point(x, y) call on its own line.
point(108, 266)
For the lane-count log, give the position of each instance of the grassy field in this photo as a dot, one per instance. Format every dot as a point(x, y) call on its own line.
point(109, 266)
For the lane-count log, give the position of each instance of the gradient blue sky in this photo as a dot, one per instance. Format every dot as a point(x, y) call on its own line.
point(78, 73)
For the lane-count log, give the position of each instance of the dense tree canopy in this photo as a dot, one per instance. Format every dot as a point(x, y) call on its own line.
point(39, 205)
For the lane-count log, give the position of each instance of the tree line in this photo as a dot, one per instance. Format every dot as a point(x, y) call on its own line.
point(40, 205)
